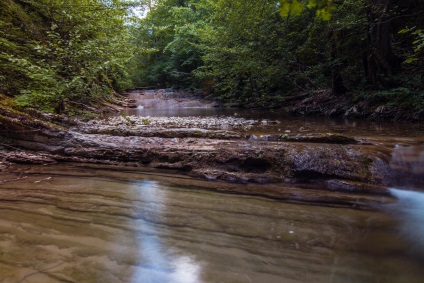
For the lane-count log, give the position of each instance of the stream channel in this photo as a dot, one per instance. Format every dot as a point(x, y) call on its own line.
point(91, 223)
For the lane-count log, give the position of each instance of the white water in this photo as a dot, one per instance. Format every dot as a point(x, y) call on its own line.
point(410, 210)
point(408, 162)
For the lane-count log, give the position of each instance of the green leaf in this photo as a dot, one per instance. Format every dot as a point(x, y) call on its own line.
point(284, 10)
point(326, 12)
point(297, 7)
point(311, 4)
point(410, 60)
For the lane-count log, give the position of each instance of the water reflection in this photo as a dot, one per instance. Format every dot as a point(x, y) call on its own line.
point(163, 263)
point(293, 124)
point(178, 112)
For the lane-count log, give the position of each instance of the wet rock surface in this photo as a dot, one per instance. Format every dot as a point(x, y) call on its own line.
point(170, 127)
point(213, 148)
point(24, 157)
point(212, 123)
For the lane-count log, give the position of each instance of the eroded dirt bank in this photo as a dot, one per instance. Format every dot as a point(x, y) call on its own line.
point(202, 150)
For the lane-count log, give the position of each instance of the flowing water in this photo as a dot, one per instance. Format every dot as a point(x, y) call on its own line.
point(160, 105)
point(72, 223)
point(408, 167)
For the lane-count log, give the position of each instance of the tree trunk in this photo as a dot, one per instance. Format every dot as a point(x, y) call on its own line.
point(337, 86)
point(380, 59)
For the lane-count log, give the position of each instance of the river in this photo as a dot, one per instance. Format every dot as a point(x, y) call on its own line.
point(80, 223)
point(91, 223)
point(384, 131)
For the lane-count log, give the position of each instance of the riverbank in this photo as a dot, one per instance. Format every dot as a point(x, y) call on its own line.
point(370, 106)
point(373, 106)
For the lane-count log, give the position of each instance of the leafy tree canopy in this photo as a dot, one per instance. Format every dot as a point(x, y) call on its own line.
point(256, 53)
point(58, 52)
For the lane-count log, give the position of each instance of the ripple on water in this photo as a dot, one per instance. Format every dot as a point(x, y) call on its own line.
point(93, 225)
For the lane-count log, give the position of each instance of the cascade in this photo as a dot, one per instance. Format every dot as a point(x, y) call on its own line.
point(408, 187)
point(407, 165)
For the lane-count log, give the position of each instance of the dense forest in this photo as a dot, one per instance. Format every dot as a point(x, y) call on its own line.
point(57, 54)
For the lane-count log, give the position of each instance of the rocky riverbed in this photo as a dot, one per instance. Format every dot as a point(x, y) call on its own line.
point(214, 148)
point(128, 197)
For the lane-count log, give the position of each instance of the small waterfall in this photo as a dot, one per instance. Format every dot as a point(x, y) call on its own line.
point(410, 210)
point(407, 166)
point(408, 177)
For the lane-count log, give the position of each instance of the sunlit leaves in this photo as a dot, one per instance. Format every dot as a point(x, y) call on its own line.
point(70, 50)
point(293, 7)
point(325, 13)
point(167, 42)
point(323, 8)
point(418, 43)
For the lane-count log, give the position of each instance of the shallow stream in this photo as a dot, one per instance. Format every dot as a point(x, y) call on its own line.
point(86, 223)
point(74, 223)
point(389, 132)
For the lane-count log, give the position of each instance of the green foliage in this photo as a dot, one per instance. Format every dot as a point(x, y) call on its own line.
point(54, 52)
point(245, 59)
point(167, 43)
point(323, 8)
point(240, 51)
point(146, 121)
point(418, 43)
point(400, 97)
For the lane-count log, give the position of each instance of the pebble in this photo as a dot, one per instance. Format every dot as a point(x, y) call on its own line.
point(213, 122)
